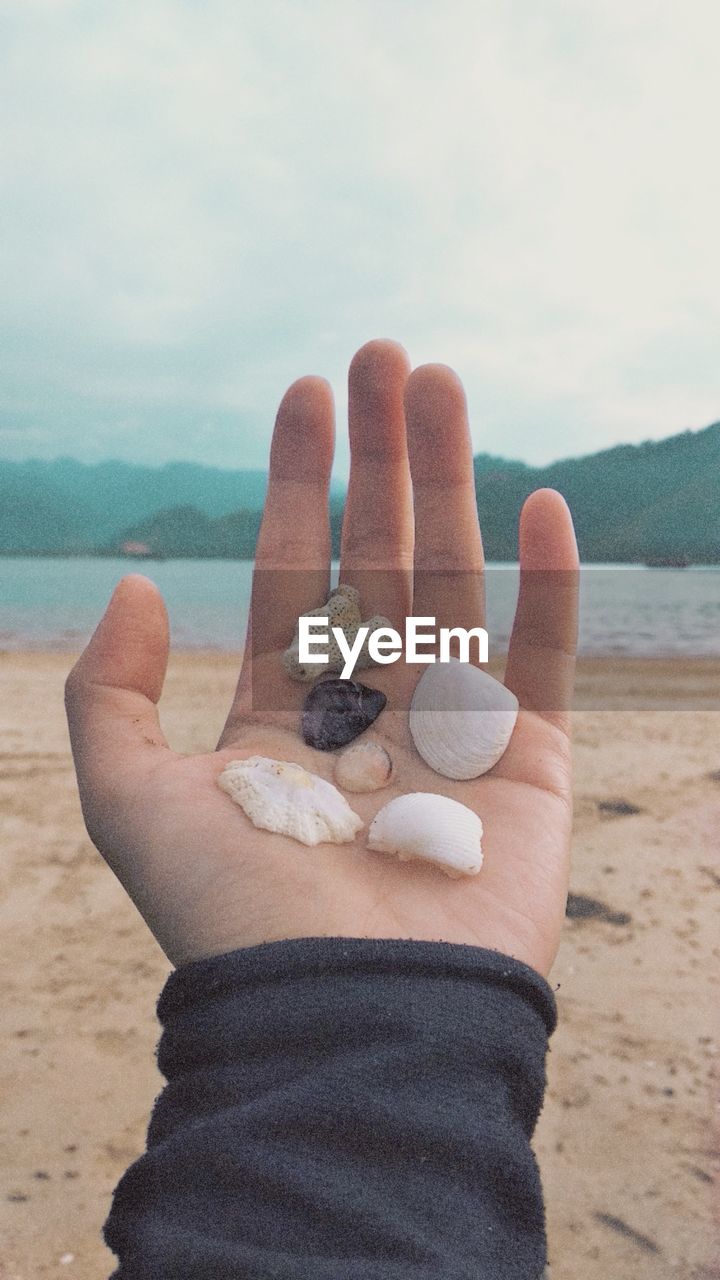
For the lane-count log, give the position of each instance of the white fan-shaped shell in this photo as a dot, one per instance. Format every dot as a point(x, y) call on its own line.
point(430, 827)
point(461, 719)
point(281, 796)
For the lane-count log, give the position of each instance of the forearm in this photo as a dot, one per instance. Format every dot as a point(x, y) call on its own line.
point(338, 1108)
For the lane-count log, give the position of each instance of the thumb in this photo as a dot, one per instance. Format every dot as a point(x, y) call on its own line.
point(112, 691)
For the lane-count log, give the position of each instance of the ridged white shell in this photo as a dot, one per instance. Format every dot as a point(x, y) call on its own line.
point(430, 827)
point(281, 796)
point(461, 719)
point(363, 766)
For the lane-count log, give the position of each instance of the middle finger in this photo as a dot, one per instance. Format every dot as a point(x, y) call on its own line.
point(377, 536)
point(448, 548)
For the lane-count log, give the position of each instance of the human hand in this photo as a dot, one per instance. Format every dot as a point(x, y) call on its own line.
point(205, 879)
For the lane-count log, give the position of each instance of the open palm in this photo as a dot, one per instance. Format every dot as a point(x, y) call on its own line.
point(204, 878)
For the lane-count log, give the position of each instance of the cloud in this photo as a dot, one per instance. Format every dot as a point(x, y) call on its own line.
point(203, 203)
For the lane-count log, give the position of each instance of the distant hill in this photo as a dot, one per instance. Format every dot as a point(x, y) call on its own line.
point(631, 503)
point(186, 532)
point(67, 505)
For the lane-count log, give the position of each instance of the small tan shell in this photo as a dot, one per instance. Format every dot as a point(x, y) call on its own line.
point(280, 796)
point(430, 827)
point(364, 766)
point(461, 719)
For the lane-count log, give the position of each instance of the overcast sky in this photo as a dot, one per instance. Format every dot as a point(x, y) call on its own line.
point(201, 202)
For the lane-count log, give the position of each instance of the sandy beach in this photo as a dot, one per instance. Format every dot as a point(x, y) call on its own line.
point(628, 1143)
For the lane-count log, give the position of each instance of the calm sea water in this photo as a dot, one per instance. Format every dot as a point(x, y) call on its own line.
point(55, 604)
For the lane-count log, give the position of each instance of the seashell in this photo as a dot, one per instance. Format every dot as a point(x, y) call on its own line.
point(376, 623)
point(342, 610)
point(280, 796)
point(461, 719)
point(432, 828)
point(365, 766)
point(345, 592)
point(336, 711)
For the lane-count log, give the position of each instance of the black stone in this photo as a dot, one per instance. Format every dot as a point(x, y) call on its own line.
point(336, 711)
point(581, 908)
point(623, 808)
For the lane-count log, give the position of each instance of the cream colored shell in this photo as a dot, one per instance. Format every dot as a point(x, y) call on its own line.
point(341, 610)
point(430, 827)
point(461, 719)
point(363, 766)
point(376, 623)
point(280, 796)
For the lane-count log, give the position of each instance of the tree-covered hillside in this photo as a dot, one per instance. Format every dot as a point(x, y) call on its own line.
point(630, 503)
point(67, 505)
point(656, 500)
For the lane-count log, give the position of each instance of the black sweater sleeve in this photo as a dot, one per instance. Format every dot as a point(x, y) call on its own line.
point(342, 1109)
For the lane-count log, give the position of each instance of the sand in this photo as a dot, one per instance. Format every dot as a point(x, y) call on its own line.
point(628, 1142)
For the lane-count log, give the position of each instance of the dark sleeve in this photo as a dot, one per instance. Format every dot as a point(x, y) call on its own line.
point(342, 1108)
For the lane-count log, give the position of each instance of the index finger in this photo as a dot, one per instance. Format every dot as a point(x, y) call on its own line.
point(292, 559)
